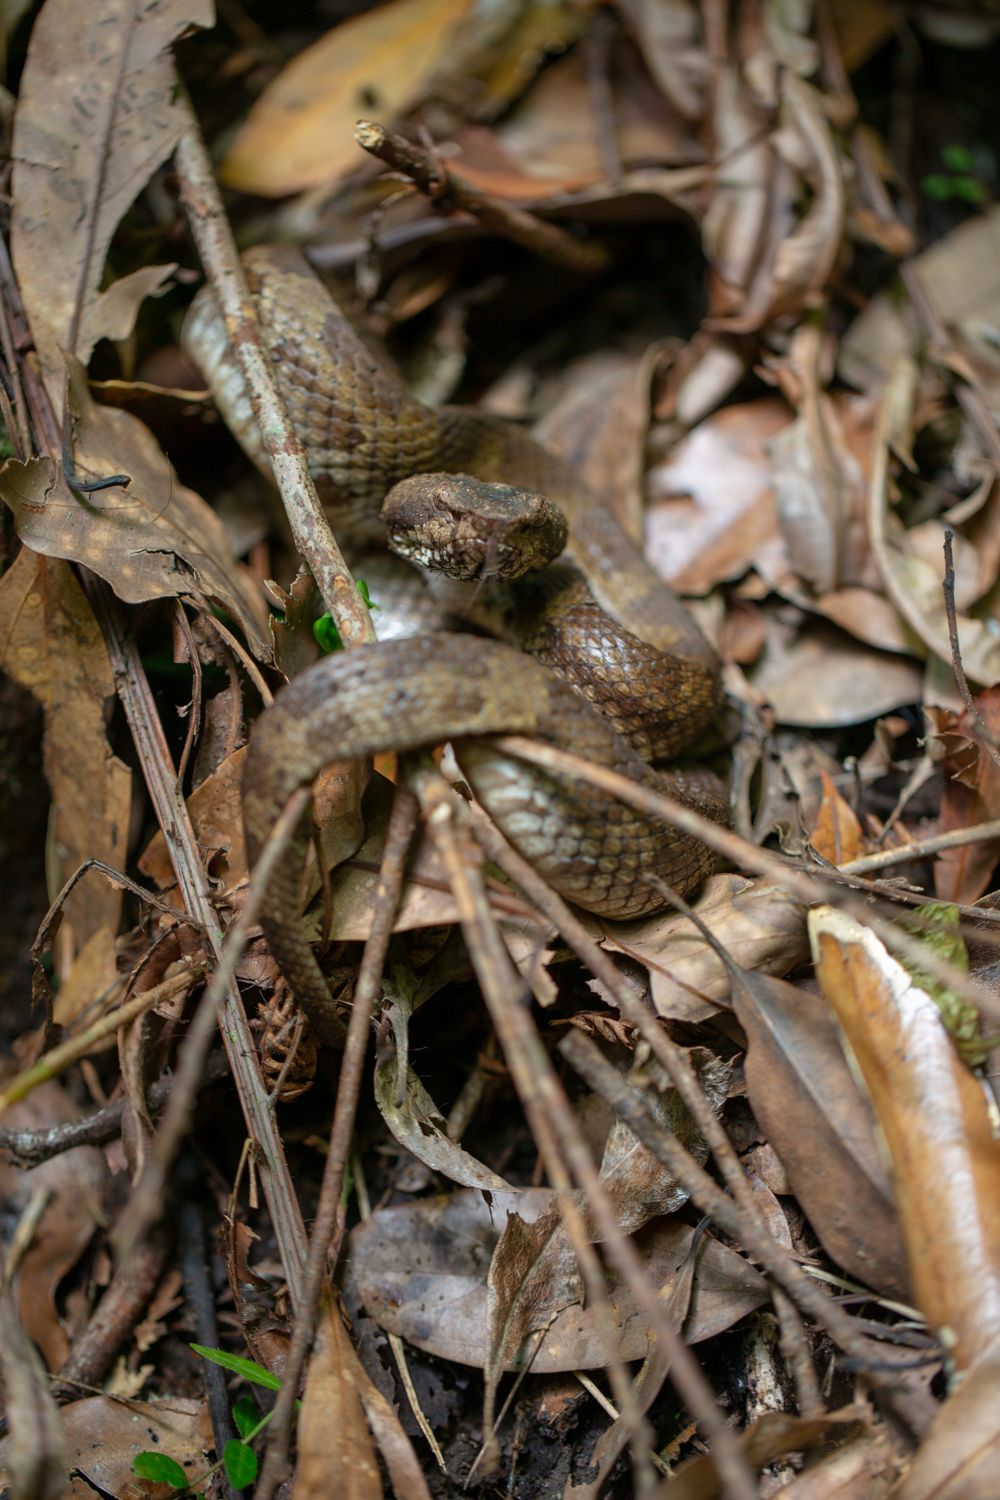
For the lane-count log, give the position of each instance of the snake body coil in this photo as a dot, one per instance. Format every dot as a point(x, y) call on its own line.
point(645, 662)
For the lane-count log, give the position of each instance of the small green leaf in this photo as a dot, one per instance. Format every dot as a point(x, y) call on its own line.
point(327, 635)
point(969, 189)
point(245, 1415)
point(936, 185)
point(248, 1368)
point(160, 1468)
point(240, 1463)
point(957, 158)
point(366, 598)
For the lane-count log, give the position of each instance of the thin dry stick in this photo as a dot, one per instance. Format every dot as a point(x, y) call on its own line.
point(441, 185)
point(979, 729)
point(922, 848)
point(313, 538)
point(629, 1105)
point(402, 822)
point(558, 1136)
point(56, 1061)
point(810, 889)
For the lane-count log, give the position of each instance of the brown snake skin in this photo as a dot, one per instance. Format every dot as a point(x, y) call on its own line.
point(364, 432)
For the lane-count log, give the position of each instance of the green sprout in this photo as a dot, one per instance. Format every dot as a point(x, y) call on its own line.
point(327, 635)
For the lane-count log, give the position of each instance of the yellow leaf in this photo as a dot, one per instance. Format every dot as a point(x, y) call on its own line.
point(300, 133)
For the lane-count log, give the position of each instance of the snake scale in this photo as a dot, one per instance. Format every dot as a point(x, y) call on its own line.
point(363, 433)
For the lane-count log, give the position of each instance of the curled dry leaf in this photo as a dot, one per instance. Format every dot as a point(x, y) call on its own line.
point(760, 926)
point(821, 1124)
point(944, 1157)
point(769, 1438)
point(51, 644)
point(96, 115)
point(77, 1181)
point(154, 540)
point(300, 132)
point(836, 834)
point(421, 1272)
point(331, 1403)
point(671, 44)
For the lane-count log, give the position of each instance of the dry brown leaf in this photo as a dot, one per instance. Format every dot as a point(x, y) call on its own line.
point(836, 834)
point(421, 1272)
point(96, 115)
point(761, 927)
point(735, 222)
point(944, 1157)
point(51, 644)
point(104, 1436)
point(216, 809)
point(77, 1181)
point(599, 427)
point(812, 1112)
point(154, 540)
point(89, 982)
point(300, 132)
point(813, 675)
point(331, 1406)
point(669, 37)
point(730, 518)
point(33, 1460)
point(958, 1457)
point(970, 794)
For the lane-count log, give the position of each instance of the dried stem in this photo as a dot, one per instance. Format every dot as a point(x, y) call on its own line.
point(957, 838)
point(979, 729)
point(441, 185)
point(217, 248)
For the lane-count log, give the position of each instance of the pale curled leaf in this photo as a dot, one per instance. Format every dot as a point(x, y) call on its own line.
point(959, 1455)
point(155, 539)
point(421, 1272)
point(944, 1158)
point(96, 116)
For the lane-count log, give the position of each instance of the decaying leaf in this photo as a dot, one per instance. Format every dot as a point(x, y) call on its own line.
point(943, 1154)
point(970, 794)
point(958, 1458)
point(772, 1436)
point(421, 1272)
point(836, 834)
point(216, 810)
point(51, 644)
point(103, 1437)
point(96, 116)
point(155, 539)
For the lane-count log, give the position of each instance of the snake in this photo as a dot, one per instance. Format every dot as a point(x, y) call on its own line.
point(648, 685)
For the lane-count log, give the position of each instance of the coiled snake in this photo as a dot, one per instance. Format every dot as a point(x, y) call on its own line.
point(643, 660)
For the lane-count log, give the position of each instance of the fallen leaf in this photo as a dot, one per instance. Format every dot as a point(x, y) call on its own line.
point(761, 927)
point(51, 644)
point(300, 132)
point(154, 540)
point(669, 37)
point(810, 1108)
point(944, 1157)
point(769, 1438)
point(103, 1437)
point(331, 1405)
point(421, 1272)
point(813, 675)
point(96, 115)
point(836, 834)
point(216, 810)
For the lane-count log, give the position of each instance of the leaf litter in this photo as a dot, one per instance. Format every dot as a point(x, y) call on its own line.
point(783, 378)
